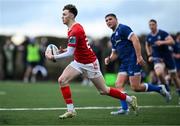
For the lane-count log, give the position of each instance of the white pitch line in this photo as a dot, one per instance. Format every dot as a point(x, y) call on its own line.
point(82, 108)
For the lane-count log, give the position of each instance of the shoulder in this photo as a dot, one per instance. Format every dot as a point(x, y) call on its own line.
point(148, 37)
point(76, 29)
point(162, 32)
point(123, 26)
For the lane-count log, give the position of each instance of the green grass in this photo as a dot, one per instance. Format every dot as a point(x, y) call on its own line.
point(46, 95)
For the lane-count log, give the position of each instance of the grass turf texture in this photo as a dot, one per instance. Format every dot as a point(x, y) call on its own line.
point(46, 95)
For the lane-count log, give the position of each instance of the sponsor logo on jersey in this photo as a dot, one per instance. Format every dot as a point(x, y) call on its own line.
point(159, 37)
point(72, 40)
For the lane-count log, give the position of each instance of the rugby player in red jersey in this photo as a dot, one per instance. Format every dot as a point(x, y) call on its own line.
point(85, 62)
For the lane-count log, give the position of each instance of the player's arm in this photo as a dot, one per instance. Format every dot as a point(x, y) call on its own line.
point(61, 50)
point(168, 41)
point(149, 51)
point(68, 53)
point(111, 58)
point(137, 48)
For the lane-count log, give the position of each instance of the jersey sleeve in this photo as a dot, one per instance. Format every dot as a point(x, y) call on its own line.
point(72, 39)
point(164, 34)
point(127, 31)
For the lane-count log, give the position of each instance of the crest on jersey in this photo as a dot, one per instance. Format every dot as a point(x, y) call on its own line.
point(159, 37)
point(116, 33)
point(72, 40)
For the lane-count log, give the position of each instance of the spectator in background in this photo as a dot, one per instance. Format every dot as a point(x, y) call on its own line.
point(40, 67)
point(176, 52)
point(33, 57)
point(9, 56)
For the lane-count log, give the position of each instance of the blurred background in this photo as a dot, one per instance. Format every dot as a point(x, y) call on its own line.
point(28, 26)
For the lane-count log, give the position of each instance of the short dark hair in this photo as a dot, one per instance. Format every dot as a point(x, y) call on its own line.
point(111, 14)
point(153, 20)
point(72, 8)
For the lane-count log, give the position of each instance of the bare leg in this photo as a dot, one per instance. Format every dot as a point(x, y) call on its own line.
point(99, 83)
point(176, 80)
point(136, 85)
point(120, 82)
point(160, 72)
point(27, 73)
point(68, 74)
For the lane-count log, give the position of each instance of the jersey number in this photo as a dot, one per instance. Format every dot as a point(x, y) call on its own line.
point(87, 43)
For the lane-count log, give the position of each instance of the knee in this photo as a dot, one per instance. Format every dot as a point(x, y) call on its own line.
point(62, 81)
point(135, 88)
point(174, 75)
point(159, 73)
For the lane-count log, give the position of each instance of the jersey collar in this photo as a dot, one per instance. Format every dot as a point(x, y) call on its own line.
point(155, 33)
point(69, 29)
point(116, 28)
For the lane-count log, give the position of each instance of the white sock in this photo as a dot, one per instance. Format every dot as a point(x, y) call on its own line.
point(128, 99)
point(146, 85)
point(70, 107)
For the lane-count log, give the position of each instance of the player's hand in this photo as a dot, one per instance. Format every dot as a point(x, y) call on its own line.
point(150, 59)
point(49, 55)
point(107, 60)
point(159, 43)
point(140, 61)
point(61, 50)
point(177, 56)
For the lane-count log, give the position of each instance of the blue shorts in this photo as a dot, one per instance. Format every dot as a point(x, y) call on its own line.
point(169, 62)
point(177, 61)
point(130, 69)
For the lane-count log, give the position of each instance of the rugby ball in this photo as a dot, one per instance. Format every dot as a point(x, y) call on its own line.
point(53, 48)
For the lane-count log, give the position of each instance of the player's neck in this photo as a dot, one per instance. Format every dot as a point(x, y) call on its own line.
point(115, 27)
point(154, 32)
point(71, 23)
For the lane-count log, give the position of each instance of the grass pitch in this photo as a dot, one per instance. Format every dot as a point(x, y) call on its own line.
point(45, 95)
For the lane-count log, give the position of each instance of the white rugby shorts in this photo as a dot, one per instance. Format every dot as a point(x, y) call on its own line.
point(91, 70)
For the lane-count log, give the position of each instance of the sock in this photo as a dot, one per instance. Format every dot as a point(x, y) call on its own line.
point(66, 92)
point(124, 104)
point(117, 94)
point(150, 87)
point(128, 99)
point(167, 87)
point(178, 91)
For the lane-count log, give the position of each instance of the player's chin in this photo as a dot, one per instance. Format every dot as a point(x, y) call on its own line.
point(64, 22)
point(110, 26)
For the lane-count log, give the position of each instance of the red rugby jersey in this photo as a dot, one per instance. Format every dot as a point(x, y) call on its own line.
point(77, 38)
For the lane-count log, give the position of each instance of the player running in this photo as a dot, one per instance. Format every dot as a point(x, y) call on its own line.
point(85, 62)
point(157, 46)
point(126, 47)
point(176, 53)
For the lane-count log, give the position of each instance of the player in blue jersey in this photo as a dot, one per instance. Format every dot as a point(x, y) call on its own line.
point(176, 52)
point(157, 46)
point(126, 47)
